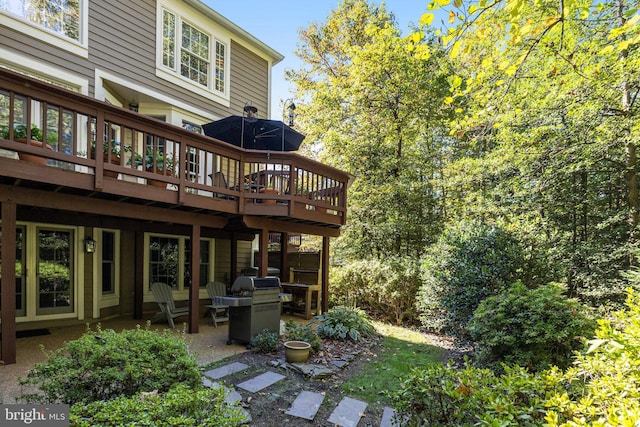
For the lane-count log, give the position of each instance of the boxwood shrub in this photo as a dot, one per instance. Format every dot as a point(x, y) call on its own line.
point(104, 364)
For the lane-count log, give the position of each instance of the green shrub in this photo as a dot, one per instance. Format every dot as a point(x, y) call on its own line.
point(104, 364)
point(603, 384)
point(343, 323)
point(265, 342)
point(533, 328)
point(297, 332)
point(384, 288)
point(179, 406)
point(470, 262)
point(601, 388)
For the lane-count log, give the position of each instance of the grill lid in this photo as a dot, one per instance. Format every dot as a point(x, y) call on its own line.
point(245, 284)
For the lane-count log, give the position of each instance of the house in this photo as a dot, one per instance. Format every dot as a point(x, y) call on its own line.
point(126, 190)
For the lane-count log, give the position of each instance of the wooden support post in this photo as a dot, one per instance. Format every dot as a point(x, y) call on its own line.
point(8, 283)
point(234, 258)
point(284, 259)
point(325, 274)
point(139, 285)
point(263, 252)
point(194, 288)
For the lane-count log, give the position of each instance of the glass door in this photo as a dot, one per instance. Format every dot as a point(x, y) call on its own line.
point(21, 271)
point(55, 271)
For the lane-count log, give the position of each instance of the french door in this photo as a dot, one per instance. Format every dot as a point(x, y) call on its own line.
point(54, 271)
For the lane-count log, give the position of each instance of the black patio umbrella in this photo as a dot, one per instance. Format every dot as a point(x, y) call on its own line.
point(253, 133)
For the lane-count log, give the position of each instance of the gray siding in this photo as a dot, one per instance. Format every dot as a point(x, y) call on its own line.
point(122, 41)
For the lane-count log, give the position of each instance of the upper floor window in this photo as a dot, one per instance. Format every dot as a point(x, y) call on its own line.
point(187, 51)
point(60, 16)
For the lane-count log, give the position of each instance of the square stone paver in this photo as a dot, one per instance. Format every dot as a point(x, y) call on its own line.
point(389, 418)
point(223, 371)
point(306, 405)
point(347, 413)
point(261, 381)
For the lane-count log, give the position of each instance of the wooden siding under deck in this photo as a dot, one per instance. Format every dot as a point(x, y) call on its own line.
point(310, 197)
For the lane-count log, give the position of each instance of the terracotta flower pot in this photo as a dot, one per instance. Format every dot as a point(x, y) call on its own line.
point(115, 160)
point(269, 191)
point(296, 351)
point(156, 183)
point(31, 157)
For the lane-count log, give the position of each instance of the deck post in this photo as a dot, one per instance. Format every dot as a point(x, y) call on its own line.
point(194, 288)
point(263, 252)
point(8, 282)
point(324, 265)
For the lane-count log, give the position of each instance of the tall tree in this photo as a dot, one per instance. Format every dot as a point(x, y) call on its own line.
point(374, 108)
point(550, 137)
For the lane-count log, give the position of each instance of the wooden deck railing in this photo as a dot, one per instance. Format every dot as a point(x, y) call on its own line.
point(166, 162)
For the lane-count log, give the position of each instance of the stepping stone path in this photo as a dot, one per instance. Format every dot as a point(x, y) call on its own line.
point(306, 404)
point(261, 382)
point(348, 412)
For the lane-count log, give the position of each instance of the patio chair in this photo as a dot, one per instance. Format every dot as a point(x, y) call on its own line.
point(218, 312)
point(163, 295)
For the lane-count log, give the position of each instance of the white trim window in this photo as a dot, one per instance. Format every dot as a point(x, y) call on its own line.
point(168, 260)
point(192, 54)
point(62, 23)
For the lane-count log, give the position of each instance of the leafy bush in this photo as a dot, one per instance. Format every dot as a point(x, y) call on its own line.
point(104, 364)
point(603, 384)
point(297, 332)
point(470, 262)
point(179, 406)
point(265, 342)
point(384, 288)
point(445, 396)
point(533, 328)
point(601, 388)
point(344, 323)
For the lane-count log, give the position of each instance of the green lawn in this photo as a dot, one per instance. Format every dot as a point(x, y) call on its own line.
point(400, 350)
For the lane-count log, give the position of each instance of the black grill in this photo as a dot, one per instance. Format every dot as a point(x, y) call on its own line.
point(254, 306)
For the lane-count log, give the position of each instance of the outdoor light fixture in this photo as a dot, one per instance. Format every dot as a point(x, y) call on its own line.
point(250, 110)
point(133, 106)
point(291, 110)
point(89, 245)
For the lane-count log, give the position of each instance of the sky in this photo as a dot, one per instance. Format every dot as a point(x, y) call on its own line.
point(276, 23)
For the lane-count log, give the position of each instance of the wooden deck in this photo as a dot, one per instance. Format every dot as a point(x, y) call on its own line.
point(210, 182)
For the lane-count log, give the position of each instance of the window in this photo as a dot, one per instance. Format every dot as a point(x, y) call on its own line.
point(60, 16)
point(194, 49)
point(108, 262)
point(170, 261)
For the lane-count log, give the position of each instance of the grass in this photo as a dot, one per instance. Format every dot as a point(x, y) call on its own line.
point(400, 350)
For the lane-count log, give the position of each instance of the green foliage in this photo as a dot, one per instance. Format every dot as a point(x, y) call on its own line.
point(104, 364)
point(601, 388)
point(533, 328)
point(344, 323)
point(604, 382)
point(51, 271)
point(20, 132)
point(153, 158)
point(298, 332)
point(265, 342)
point(469, 263)
point(384, 288)
point(179, 406)
point(380, 97)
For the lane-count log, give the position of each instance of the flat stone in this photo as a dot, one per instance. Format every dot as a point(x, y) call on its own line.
point(223, 371)
point(339, 363)
point(306, 405)
point(261, 381)
point(313, 371)
point(389, 418)
point(233, 397)
point(348, 412)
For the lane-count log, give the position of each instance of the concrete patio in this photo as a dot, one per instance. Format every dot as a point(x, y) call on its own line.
point(209, 345)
